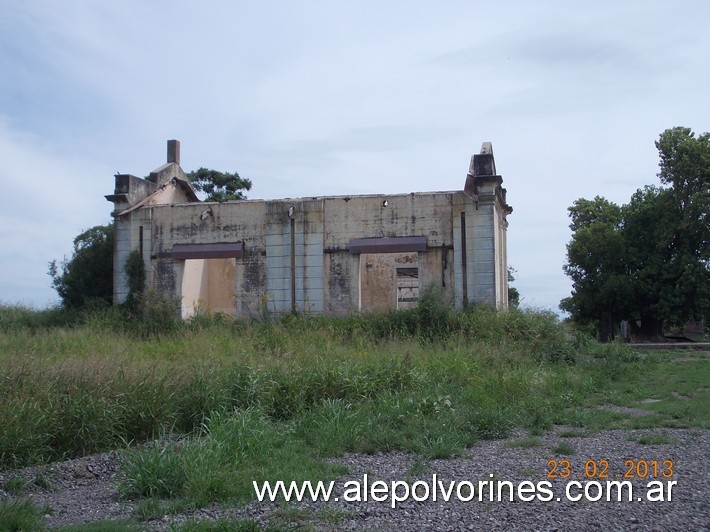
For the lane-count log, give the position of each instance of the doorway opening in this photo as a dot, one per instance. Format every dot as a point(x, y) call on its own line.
point(388, 281)
point(209, 285)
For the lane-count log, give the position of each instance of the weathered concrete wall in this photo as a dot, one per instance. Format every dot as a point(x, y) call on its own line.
point(342, 285)
point(415, 214)
point(135, 232)
point(436, 270)
point(482, 257)
point(480, 254)
point(199, 223)
point(296, 254)
point(501, 248)
point(123, 243)
point(166, 172)
point(132, 189)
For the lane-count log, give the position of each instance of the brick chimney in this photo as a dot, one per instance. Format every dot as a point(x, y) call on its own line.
point(174, 151)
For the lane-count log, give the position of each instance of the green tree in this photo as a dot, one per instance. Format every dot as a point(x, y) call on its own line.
point(646, 261)
point(685, 167)
point(513, 293)
point(87, 277)
point(596, 263)
point(649, 223)
point(219, 186)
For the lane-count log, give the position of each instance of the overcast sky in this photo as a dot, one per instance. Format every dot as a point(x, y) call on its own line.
point(319, 98)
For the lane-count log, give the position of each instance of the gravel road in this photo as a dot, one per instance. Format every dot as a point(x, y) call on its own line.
point(83, 490)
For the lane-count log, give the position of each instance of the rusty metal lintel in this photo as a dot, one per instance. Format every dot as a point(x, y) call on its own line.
point(397, 244)
point(207, 251)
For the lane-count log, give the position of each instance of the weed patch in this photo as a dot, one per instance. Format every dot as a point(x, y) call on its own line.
point(524, 443)
point(223, 525)
point(574, 433)
point(121, 525)
point(230, 402)
point(654, 439)
point(233, 450)
point(564, 449)
point(20, 514)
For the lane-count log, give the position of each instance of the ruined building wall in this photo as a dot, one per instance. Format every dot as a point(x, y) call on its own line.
point(325, 273)
point(332, 255)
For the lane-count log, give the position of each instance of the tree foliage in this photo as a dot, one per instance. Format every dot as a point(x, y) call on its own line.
point(648, 260)
point(596, 260)
point(513, 293)
point(219, 186)
point(87, 277)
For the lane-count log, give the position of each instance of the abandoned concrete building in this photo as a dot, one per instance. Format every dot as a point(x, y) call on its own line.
point(317, 255)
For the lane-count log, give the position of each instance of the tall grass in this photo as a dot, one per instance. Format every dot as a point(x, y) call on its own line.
point(15, 318)
point(68, 391)
point(230, 402)
point(232, 449)
point(19, 515)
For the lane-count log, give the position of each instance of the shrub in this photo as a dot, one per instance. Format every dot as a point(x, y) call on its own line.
point(158, 315)
point(88, 275)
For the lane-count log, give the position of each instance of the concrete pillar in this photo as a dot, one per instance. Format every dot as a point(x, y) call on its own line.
point(174, 151)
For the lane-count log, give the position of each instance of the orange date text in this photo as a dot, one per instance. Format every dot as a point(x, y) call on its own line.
point(563, 468)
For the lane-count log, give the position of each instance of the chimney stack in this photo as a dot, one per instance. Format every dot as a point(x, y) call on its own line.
point(483, 163)
point(174, 151)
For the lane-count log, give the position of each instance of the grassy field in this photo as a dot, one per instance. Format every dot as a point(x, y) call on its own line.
point(223, 403)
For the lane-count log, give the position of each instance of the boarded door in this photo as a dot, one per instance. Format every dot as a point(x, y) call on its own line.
point(388, 281)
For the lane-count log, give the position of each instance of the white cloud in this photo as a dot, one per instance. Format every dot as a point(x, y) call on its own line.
point(339, 98)
point(49, 199)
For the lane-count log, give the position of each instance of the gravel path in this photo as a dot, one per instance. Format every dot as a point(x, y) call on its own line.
point(83, 490)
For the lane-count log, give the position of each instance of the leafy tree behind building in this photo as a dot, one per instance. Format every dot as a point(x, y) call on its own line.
point(647, 261)
point(87, 277)
point(513, 293)
point(219, 186)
